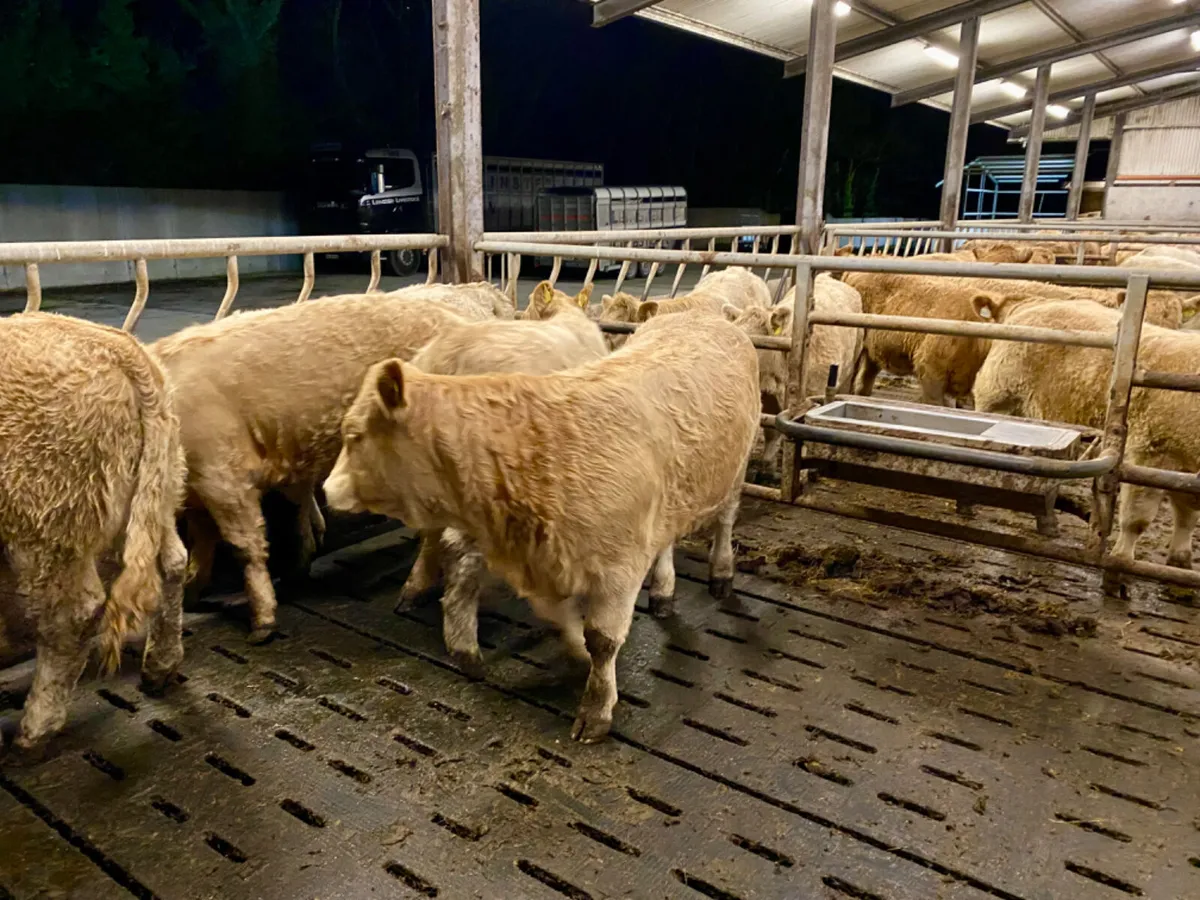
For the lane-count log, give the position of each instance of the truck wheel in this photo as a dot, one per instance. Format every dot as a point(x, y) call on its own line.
point(403, 262)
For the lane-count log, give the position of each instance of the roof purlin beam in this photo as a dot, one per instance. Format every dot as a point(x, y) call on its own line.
point(1096, 87)
point(1156, 98)
point(1105, 41)
point(607, 11)
point(904, 31)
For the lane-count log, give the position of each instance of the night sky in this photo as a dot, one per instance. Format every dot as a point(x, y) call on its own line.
point(231, 93)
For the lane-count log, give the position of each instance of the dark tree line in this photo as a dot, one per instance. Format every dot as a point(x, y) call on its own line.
point(231, 93)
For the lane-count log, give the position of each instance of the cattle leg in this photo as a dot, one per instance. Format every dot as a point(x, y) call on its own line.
point(720, 555)
point(460, 602)
point(72, 597)
point(1139, 505)
point(203, 536)
point(307, 529)
point(870, 371)
point(608, 618)
point(164, 643)
point(563, 615)
point(1187, 512)
point(662, 584)
point(933, 392)
point(426, 572)
point(239, 517)
point(772, 440)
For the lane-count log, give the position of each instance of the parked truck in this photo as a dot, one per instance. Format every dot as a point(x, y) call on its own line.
point(388, 190)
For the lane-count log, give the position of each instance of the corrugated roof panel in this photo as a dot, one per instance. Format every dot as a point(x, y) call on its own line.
point(1181, 112)
point(1152, 51)
point(1096, 17)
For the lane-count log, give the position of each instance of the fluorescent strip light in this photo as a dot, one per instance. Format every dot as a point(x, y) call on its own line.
point(1059, 112)
point(1013, 90)
point(841, 9)
point(943, 57)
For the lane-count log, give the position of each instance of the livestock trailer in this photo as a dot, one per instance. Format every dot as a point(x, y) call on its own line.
point(611, 209)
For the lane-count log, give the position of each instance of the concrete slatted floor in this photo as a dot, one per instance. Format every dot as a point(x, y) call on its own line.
point(786, 743)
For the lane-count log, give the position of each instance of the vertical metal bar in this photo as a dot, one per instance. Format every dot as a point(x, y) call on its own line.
point(775, 251)
point(712, 246)
point(754, 249)
point(231, 287)
point(687, 245)
point(1082, 145)
point(793, 395)
point(908, 246)
point(1114, 157)
point(591, 272)
point(141, 278)
point(1116, 416)
point(814, 143)
point(960, 124)
point(459, 141)
point(488, 259)
point(432, 277)
point(1033, 149)
point(33, 288)
point(376, 270)
point(310, 276)
point(555, 270)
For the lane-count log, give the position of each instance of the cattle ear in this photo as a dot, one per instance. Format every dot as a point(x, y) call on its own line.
point(390, 384)
point(647, 310)
point(781, 317)
point(584, 296)
point(985, 306)
point(541, 296)
point(730, 312)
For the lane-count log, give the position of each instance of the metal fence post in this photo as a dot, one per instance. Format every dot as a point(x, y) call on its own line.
point(793, 395)
point(1116, 417)
point(376, 271)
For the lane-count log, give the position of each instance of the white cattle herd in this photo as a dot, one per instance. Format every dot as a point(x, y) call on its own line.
point(529, 447)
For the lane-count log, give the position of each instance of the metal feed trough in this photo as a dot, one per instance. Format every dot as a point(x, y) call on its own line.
point(968, 485)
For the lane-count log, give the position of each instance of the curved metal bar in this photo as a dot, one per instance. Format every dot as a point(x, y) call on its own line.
point(231, 287)
point(33, 288)
point(141, 278)
point(433, 265)
point(310, 277)
point(555, 270)
point(376, 271)
point(966, 456)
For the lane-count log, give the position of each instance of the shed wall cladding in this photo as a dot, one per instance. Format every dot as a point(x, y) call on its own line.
point(1159, 173)
point(1163, 140)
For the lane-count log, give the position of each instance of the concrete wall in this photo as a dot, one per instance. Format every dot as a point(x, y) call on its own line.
point(76, 213)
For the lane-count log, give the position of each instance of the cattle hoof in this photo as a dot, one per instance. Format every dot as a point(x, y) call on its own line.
point(471, 664)
point(21, 756)
point(590, 730)
point(262, 634)
point(662, 607)
point(720, 588)
point(1180, 561)
point(156, 685)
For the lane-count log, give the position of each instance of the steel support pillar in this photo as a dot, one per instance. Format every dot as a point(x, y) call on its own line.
point(814, 144)
point(960, 123)
point(1082, 144)
point(1114, 157)
point(1033, 149)
point(459, 135)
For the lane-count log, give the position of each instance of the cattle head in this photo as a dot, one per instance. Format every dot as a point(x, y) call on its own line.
point(546, 301)
point(756, 320)
point(382, 467)
point(620, 307)
point(995, 307)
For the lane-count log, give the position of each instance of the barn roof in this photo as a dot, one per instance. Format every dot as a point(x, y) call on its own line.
point(1131, 53)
